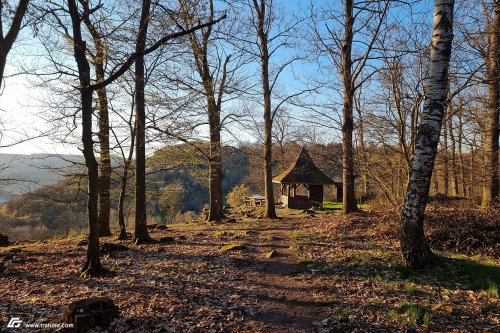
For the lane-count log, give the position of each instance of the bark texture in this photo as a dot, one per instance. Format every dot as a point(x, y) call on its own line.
point(491, 189)
point(103, 122)
point(141, 233)
point(348, 175)
point(123, 187)
point(416, 251)
point(92, 265)
point(260, 9)
point(105, 161)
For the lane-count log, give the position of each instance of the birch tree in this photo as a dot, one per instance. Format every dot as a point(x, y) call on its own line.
point(416, 251)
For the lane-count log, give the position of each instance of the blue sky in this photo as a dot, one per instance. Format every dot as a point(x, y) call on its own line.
point(19, 102)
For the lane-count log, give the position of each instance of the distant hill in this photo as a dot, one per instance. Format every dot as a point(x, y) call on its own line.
point(22, 173)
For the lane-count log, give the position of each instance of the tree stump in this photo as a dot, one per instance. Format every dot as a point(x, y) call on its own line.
point(107, 248)
point(88, 313)
point(4, 240)
point(167, 240)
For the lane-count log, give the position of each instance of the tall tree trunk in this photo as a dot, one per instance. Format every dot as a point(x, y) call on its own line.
point(216, 212)
point(416, 251)
point(363, 155)
point(491, 190)
point(3, 61)
point(348, 176)
point(435, 181)
point(141, 230)
point(103, 116)
point(200, 54)
point(446, 162)
point(123, 188)
point(461, 154)
point(270, 210)
point(105, 161)
point(454, 171)
point(472, 172)
point(121, 205)
point(92, 265)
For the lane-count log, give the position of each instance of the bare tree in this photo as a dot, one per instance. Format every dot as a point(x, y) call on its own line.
point(416, 251)
point(141, 231)
point(127, 163)
point(350, 70)
point(98, 62)
point(92, 265)
point(7, 40)
point(271, 35)
point(263, 33)
point(86, 88)
point(212, 66)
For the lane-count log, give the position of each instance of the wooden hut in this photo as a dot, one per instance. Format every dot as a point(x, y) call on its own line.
point(302, 183)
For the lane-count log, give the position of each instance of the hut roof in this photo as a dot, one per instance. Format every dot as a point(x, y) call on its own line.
point(303, 171)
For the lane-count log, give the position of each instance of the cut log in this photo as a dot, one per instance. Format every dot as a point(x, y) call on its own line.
point(4, 240)
point(88, 313)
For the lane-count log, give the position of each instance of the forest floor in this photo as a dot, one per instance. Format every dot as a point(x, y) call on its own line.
point(306, 272)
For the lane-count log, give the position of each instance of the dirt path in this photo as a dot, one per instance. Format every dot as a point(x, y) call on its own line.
point(188, 285)
point(285, 303)
point(326, 274)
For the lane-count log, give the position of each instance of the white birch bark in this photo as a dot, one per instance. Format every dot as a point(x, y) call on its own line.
point(416, 251)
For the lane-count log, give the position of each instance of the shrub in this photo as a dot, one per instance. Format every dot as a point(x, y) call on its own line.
point(235, 197)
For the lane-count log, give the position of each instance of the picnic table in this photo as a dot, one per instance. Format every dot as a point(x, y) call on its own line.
point(255, 200)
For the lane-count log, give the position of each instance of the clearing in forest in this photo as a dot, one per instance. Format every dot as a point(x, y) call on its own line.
point(307, 272)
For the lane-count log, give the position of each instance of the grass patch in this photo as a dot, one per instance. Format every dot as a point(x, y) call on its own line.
point(412, 313)
point(304, 261)
point(458, 272)
point(300, 235)
point(375, 301)
point(253, 212)
point(333, 205)
point(475, 275)
point(411, 289)
point(493, 290)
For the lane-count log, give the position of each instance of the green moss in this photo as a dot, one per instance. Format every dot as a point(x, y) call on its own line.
point(233, 247)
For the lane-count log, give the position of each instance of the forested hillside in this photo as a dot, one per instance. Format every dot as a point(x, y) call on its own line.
point(22, 173)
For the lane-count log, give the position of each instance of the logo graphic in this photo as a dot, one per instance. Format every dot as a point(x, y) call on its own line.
point(15, 322)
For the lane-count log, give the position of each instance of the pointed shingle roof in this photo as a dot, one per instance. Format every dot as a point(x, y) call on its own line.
point(303, 171)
